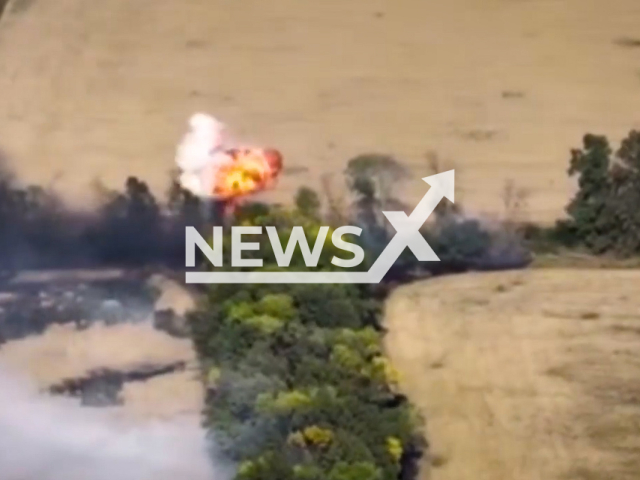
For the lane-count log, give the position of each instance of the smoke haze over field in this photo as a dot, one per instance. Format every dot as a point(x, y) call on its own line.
point(129, 228)
point(49, 438)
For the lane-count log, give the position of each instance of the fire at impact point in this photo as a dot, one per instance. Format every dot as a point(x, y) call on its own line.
point(212, 169)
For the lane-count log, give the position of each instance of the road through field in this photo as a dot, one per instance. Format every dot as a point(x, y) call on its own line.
point(502, 88)
point(530, 375)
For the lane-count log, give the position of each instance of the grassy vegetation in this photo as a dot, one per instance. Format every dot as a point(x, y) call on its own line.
point(572, 259)
point(299, 387)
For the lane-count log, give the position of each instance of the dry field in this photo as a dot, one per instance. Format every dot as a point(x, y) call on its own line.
point(503, 88)
point(529, 375)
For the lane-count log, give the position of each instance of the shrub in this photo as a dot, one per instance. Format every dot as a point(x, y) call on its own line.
point(329, 305)
point(308, 202)
point(355, 471)
point(460, 243)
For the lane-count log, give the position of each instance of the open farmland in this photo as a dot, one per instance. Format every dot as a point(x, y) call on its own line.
point(526, 375)
point(503, 88)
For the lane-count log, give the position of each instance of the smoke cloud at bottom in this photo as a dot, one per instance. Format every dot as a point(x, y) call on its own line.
point(54, 438)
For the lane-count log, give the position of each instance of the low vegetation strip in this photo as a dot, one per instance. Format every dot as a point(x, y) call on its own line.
point(299, 387)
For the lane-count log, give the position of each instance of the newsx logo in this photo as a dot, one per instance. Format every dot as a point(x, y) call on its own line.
point(283, 256)
point(407, 235)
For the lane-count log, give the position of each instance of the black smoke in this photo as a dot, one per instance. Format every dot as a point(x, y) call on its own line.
point(131, 228)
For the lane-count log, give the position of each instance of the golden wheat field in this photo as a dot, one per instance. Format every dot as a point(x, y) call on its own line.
point(528, 375)
point(499, 88)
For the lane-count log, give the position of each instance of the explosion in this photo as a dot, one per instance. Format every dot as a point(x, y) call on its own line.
point(248, 170)
point(211, 169)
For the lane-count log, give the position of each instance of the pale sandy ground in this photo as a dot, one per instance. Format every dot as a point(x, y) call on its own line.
point(103, 89)
point(524, 375)
point(63, 353)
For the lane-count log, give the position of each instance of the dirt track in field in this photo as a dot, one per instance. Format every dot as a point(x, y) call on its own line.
point(530, 375)
point(503, 88)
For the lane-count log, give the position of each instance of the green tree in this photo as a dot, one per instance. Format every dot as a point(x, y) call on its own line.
point(308, 202)
point(184, 206)
point(589, 209)
point(625, 196)
point(374, 177)
point(604, 214)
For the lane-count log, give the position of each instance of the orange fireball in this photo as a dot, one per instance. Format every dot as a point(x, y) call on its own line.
point(248, 170)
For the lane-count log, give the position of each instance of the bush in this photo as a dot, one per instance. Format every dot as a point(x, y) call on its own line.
point(459, 243)
point(308, 202)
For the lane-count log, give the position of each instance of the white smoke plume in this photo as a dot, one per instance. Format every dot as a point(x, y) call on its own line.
point(200, 153)
point(53, 438)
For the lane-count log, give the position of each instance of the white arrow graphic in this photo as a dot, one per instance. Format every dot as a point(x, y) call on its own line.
point(407, 236)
